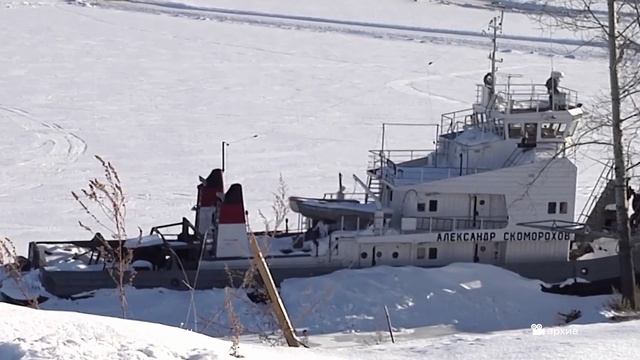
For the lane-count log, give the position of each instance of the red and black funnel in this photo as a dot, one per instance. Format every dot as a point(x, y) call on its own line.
point(232, 209)
point(209, 189)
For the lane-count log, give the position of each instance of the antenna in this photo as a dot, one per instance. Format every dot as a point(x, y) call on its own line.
point(495, 28)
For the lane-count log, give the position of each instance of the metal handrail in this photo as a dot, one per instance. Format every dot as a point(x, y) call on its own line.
point(529, 95)
point(380, 156)
point(452, 119)
point(596, 192)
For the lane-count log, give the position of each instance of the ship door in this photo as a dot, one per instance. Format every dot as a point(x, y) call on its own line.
point(488, 252)
point(480, 209)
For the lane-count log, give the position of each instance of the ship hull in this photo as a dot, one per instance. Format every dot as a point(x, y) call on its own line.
point(580, 277)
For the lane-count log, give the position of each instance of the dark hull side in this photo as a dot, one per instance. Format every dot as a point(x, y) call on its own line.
point(65, 284)
point(602, 274)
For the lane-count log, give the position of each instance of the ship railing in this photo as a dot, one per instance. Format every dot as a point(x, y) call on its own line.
point(382, 157)
point(188, 232)
point(436, 224)
point(360, 196)
point(432, 173)
point(456, 121)
point(605, 176)
point(396, 175)
point(528, 98)
point(453, 123)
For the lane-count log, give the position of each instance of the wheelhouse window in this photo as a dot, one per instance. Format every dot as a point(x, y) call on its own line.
point(433, 253)
point(553, 130)
point(551, 208)
point(433, 205)
point(421, 207)
point(515, 131)
point(422, 253)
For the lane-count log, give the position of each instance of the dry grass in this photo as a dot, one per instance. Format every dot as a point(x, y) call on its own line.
point(234, 321)
point(620, 306)
point(12, 265)
point(104, 201)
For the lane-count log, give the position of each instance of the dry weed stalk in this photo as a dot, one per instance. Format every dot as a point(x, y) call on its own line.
point(279, 208)
point(619, 305)
point(105, 203)
point(234, 323)
point(12, 264)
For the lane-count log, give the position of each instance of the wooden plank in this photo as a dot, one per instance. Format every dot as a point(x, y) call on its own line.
point(272, 291)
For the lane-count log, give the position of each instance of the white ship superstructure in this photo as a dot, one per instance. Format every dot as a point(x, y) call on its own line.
point(496, 165)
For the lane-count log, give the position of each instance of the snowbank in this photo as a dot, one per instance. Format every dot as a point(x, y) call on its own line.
point(33, 334)
point(467, 297)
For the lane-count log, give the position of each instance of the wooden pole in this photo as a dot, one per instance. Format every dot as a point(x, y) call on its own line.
point(276, 301)
point(386, 313)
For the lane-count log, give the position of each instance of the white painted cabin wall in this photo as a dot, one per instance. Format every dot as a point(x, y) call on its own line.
point(529, 251)
point(492, 156)
point(527, 188)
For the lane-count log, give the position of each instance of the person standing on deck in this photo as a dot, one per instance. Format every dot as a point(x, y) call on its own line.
point(552, 88)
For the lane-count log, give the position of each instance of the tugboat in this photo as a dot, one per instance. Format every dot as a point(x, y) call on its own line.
point(496, 189)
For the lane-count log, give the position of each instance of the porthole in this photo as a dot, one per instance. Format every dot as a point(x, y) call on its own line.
point(395, 255)
point(481, 202)
point(584, 271)
point(483, 248)
point(379, 254)
point(363, 255)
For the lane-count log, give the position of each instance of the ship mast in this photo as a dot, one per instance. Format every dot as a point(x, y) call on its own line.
point(495, 27)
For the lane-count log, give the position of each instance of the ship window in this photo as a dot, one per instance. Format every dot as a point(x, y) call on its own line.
point(551, 208)
point(515, 131)
point(379, 254)
point(563, 207)
point(553, 130)
point(363, 254)
point(422, 253)
point(433, 205)
point(421, 207)
point(390, 195)
point(433, 253)
point(561, 129)
point(395, 255)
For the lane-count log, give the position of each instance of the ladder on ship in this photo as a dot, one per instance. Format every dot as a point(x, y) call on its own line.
point(375, 186)
point(598, 194)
